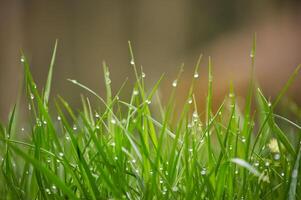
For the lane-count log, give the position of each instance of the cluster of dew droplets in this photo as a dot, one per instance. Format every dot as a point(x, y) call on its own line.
point(38, 122)
point(47, 190)
point(108, 80)
point(195, 116)
point(203, 171)
point(147, 101)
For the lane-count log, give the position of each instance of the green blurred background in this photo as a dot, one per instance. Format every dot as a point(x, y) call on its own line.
point(164, 33)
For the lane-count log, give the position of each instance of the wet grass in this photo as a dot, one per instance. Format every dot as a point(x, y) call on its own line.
point(124, 151)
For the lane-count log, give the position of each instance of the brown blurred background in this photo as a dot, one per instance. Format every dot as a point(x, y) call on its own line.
point(164, 34)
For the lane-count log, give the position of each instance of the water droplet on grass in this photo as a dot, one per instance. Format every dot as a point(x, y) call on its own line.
point(53, 187)
point(135, 92)
point(276, 156)
point(175, 189)
point(113, 121)
point(47, 191)
point(74, 127)
point(22, 129)
point(22, 59)
point(210, 78)
point(195, 114)
point(243, 139)
point(96, 115)
point(67, 137)
point(203, 171)
point(61, 154)
point(174, 83)
point(31, 96)
point(143, 75)
point(195, 75)
point(190, 101)
point(59, 118)
point(132, 62)
point(148, 102)
point(267, 163)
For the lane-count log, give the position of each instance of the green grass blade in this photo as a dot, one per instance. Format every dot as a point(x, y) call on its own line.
point(292, 193)
point(49, 77)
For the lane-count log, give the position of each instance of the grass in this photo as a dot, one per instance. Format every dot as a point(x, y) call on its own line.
point(123, 151)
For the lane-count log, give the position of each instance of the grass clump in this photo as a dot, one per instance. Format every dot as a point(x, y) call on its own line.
point(124, 151)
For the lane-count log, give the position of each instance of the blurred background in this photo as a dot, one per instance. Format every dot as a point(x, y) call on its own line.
point(164, 34)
